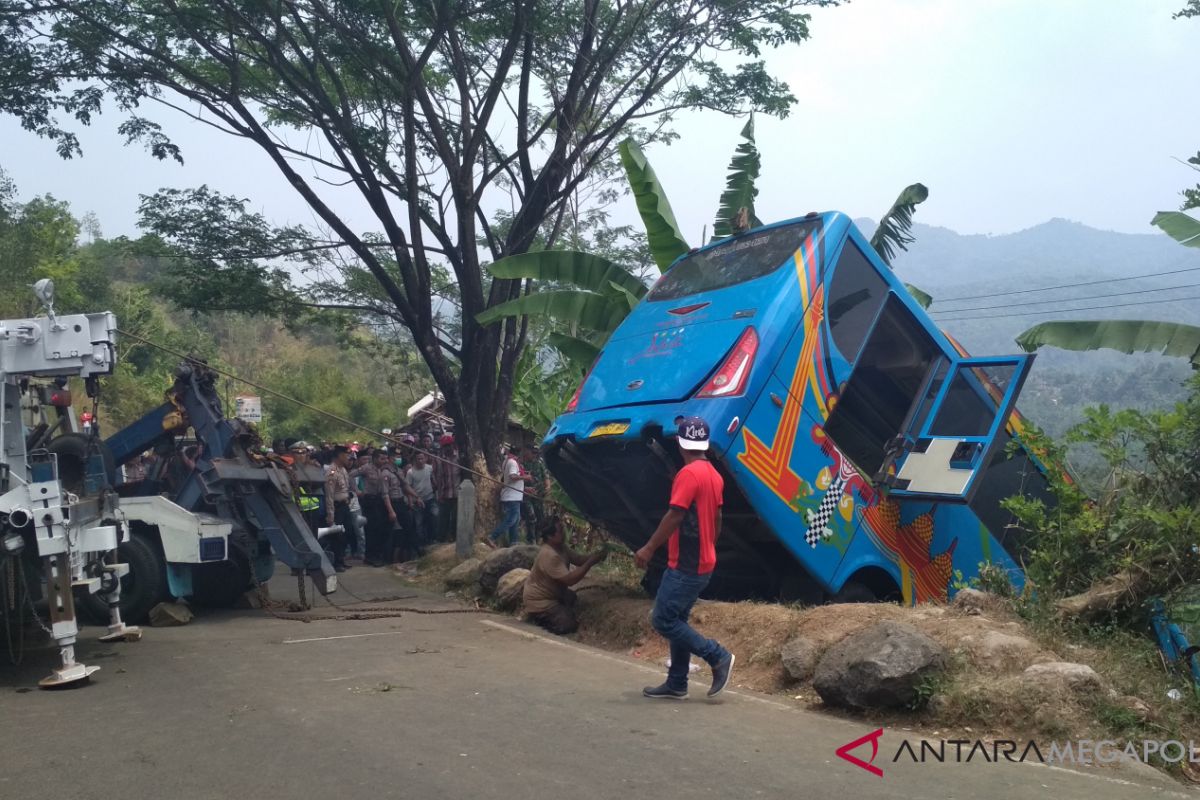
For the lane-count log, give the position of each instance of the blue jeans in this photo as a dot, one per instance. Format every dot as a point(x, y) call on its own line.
point(510, 521)
point(677, 593)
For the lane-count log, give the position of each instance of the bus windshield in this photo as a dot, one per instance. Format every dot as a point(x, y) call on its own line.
point(737, 261)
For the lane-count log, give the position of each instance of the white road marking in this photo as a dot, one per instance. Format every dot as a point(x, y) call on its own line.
point(558, 642)
point(348, 636)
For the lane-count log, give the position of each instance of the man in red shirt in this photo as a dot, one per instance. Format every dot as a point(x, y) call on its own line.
point(689, 529)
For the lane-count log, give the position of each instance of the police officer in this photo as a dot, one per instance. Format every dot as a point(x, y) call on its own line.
point(404, 545)
point(377, 507)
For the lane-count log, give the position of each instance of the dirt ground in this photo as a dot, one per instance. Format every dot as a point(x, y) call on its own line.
point(981, 693)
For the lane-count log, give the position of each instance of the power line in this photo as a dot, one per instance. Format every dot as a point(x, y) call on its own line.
point(1066, 286)
point(1068, 300)
point(1069, 310)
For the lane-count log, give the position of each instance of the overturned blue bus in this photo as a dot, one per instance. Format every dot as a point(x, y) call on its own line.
point(864, 456)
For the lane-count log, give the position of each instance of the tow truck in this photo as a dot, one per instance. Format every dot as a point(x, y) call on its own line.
point(57, 539)
point(240, 510)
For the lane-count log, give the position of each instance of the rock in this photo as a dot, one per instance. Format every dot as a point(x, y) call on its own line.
point(465, 573)
point(504, 560)
point(1079, 677)
point(481, 551)
point(1136, 705)
point(511, 588)
point(799, 656)
point(994, 651)
point(252, 599)
point(441, 554)
point(973, 601)
point(168, 615)
point(882, 666)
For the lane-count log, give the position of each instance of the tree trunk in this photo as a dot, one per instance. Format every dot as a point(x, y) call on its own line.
point(487, 499)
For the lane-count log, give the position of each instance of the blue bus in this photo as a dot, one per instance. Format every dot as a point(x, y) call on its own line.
point(865, 456)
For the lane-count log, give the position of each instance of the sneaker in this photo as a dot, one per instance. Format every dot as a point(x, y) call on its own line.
point(721, 672)
point(665, 692)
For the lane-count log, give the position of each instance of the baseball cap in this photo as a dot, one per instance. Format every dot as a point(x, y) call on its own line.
point(693, 434)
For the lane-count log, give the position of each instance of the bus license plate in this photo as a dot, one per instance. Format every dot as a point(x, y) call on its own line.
point(609, 429)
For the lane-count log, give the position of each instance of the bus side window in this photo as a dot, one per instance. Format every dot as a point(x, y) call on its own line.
point(856, 294)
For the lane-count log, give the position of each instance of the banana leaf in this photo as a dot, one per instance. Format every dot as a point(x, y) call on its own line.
point(593, 273)
point(1181, 227)
point(629, 296)
point(893, 230)
point(580, 352)
point(924, 298)
point(662, 231)
point(740, 190)
point(589, 310)
point(1127, 336)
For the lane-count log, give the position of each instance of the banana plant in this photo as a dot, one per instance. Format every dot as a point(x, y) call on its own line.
point(740, 190)
point(1128, 336)
point(895, 232)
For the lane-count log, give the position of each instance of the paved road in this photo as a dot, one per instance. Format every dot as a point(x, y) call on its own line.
point(240, 704)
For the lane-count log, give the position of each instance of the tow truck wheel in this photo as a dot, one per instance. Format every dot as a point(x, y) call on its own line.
point(221, 583)
point(72, 451)
point(141, 589)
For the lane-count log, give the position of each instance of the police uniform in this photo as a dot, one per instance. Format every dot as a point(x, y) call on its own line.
point(337, 494)
point(403, 538)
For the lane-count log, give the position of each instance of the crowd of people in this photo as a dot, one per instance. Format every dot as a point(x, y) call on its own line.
point(407, 493)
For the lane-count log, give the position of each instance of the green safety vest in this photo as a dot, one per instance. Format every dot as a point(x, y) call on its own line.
point(306, 501)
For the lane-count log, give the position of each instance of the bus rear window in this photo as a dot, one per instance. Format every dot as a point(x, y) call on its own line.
point(742, 259)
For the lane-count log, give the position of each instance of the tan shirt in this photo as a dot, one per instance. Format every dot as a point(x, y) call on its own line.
point(337, 484)
point(543, 589)
point(374, 480)
point(394, 483)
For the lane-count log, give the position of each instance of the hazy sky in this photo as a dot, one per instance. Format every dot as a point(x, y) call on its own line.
point(1010, 111)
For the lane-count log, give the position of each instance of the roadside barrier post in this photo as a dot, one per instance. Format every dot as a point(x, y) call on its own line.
point(466, 519)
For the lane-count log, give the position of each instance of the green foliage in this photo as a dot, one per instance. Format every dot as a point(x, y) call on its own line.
point(336, 372)
point(1127, 336)
point(586, 271)
point(740, 190)
point(662, 231)
point(589, 310)
point(922, 297)
point(895, 226)
point(1146, 517)
point(1181, 227)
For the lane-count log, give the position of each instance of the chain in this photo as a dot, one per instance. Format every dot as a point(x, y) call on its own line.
point(15, 654)
point(300, 590)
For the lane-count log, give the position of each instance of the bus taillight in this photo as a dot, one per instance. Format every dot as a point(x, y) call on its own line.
point(731, 378)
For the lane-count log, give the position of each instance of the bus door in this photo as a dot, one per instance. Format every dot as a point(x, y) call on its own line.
point(920, 421)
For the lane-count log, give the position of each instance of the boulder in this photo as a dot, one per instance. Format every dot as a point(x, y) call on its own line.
point(441, 554)
point(994, 651)
point(799, 656)
point(511, 588)
point(973, 601)
point(167, 615)
point(882, 666)
point(252, 599)
point(1079, 677)
point(504, 560)
point(465, 574)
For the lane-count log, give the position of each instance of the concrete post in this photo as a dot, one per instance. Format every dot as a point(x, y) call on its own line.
point(465, 535)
